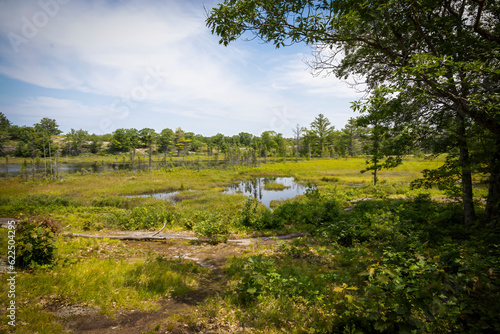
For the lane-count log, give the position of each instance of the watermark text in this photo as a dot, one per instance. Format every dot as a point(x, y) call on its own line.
point(11, 273)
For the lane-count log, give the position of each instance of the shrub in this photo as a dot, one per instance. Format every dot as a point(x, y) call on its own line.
point(256, 217)
point(149, 217)
point(258, 273)
point(248, 215)
point(114, 201)
point(35, 242)
point(36, 204)
point(213, 226)
point(315, 209)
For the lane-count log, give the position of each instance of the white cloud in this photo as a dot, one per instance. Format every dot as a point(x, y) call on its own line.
point(108, 48)
point(64, 111)
point(293, 74)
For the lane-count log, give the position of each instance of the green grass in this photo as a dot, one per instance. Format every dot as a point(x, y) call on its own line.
point(321, 282)
point(275, 186)
point(98, 274)
point(97, 202)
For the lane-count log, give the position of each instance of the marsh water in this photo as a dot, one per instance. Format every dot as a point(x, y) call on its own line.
point(257, 189)
point(167, 196)
point(68, 168)
point(100, 166)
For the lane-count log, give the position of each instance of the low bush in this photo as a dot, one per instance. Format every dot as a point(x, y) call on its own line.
point(434, 290)
point(35, 242)
point(144, 217)
point(212, 225)
point(314, 209)
point(36, 204)
point(256, 217)
point(258, 275)
point(121, 202)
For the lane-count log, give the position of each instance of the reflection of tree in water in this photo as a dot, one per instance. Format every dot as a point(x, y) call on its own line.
point(256, 188)
point(253, 187)
point(259, 185)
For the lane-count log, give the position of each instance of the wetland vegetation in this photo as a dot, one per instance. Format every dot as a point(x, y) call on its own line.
point(383, 257)
point(412, 246)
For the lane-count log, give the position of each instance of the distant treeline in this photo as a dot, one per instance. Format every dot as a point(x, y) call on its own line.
point(320, 139)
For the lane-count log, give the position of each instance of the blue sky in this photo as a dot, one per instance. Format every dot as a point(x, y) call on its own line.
point(101, 65)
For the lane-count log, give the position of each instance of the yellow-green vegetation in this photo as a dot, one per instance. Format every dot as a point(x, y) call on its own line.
point(275, 186)
point(98, 275)
point(97, 201)
point(382, 258)
point(345, 172)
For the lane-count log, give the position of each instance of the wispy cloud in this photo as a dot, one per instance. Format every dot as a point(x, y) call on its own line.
point(108, 49)
point(32, 109)
point(293, 74)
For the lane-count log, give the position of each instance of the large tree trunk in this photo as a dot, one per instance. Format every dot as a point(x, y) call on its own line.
point(465, 163)
point(492, 211)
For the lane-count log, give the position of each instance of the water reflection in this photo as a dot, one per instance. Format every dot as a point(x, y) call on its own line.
point(71, 168)
point(257, 189)
point(164, 196)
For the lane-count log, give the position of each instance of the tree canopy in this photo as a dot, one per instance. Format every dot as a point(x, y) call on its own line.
point(435, 59)
point(441, 49)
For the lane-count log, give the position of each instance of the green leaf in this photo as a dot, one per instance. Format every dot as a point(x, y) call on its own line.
point(383, 279)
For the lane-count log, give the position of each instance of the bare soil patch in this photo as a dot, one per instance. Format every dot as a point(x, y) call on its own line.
point(175, 315)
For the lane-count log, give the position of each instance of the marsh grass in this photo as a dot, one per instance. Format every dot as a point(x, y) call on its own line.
point(93, 273)
point(321, 283)
point(275, 186)
point(108, 283)
point(89, 187)
point(96, 202)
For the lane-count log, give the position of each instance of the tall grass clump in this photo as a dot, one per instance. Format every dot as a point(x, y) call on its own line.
point(143, 217)
point(158, 276)
point(121, 202)
point(36, 204)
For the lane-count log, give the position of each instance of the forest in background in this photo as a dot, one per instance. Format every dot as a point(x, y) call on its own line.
point(416, 252)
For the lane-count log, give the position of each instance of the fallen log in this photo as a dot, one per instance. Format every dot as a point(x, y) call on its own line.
point(144, 236)
point(141, 237)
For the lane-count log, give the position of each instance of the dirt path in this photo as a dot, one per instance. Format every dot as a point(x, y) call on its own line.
point(174, 315)
point(173, 312)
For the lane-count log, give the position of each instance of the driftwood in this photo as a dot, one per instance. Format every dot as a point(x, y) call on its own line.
point(145, 236)
point(133, 236)
point(164, 224)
